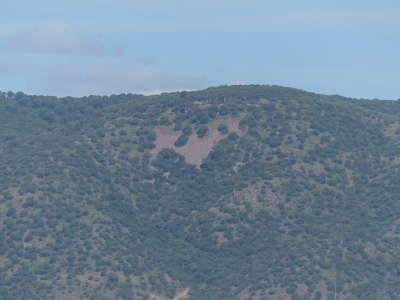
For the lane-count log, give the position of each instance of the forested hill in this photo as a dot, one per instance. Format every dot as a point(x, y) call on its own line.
point(233, 192)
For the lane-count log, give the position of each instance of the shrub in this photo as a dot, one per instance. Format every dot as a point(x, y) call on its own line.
point(187, 130)
point(223, 129)
point(181, 141)
point(164, 121)
point(202, 131)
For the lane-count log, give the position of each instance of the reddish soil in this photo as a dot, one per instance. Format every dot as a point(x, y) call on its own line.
point(196, 149)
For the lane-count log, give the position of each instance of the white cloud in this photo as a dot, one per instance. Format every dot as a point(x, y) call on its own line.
point(53, 36)
point(76, 75)
point(106, 79)
point(236, 82)
point(13, 64)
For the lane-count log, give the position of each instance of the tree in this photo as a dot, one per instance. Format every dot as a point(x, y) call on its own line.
point(19, 95)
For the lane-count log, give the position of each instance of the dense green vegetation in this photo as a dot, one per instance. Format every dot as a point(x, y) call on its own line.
point(303, 195)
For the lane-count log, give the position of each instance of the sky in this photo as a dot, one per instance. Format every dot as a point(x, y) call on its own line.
point(87, 47)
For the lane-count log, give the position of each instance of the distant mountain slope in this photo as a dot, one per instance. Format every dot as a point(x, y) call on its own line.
point(233, 192)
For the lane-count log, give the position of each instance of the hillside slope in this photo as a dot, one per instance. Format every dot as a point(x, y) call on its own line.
point(240, 192)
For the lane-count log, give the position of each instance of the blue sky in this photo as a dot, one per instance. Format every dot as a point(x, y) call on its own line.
point(98, 47)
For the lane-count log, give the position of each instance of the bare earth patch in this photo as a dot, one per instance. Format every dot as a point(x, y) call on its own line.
point(221, 238)
point(196, 150)
point(250, 195)
point(302, 289)
point(182, 295)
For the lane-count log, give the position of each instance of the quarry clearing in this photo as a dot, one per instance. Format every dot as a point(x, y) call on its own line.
point(196, 149)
